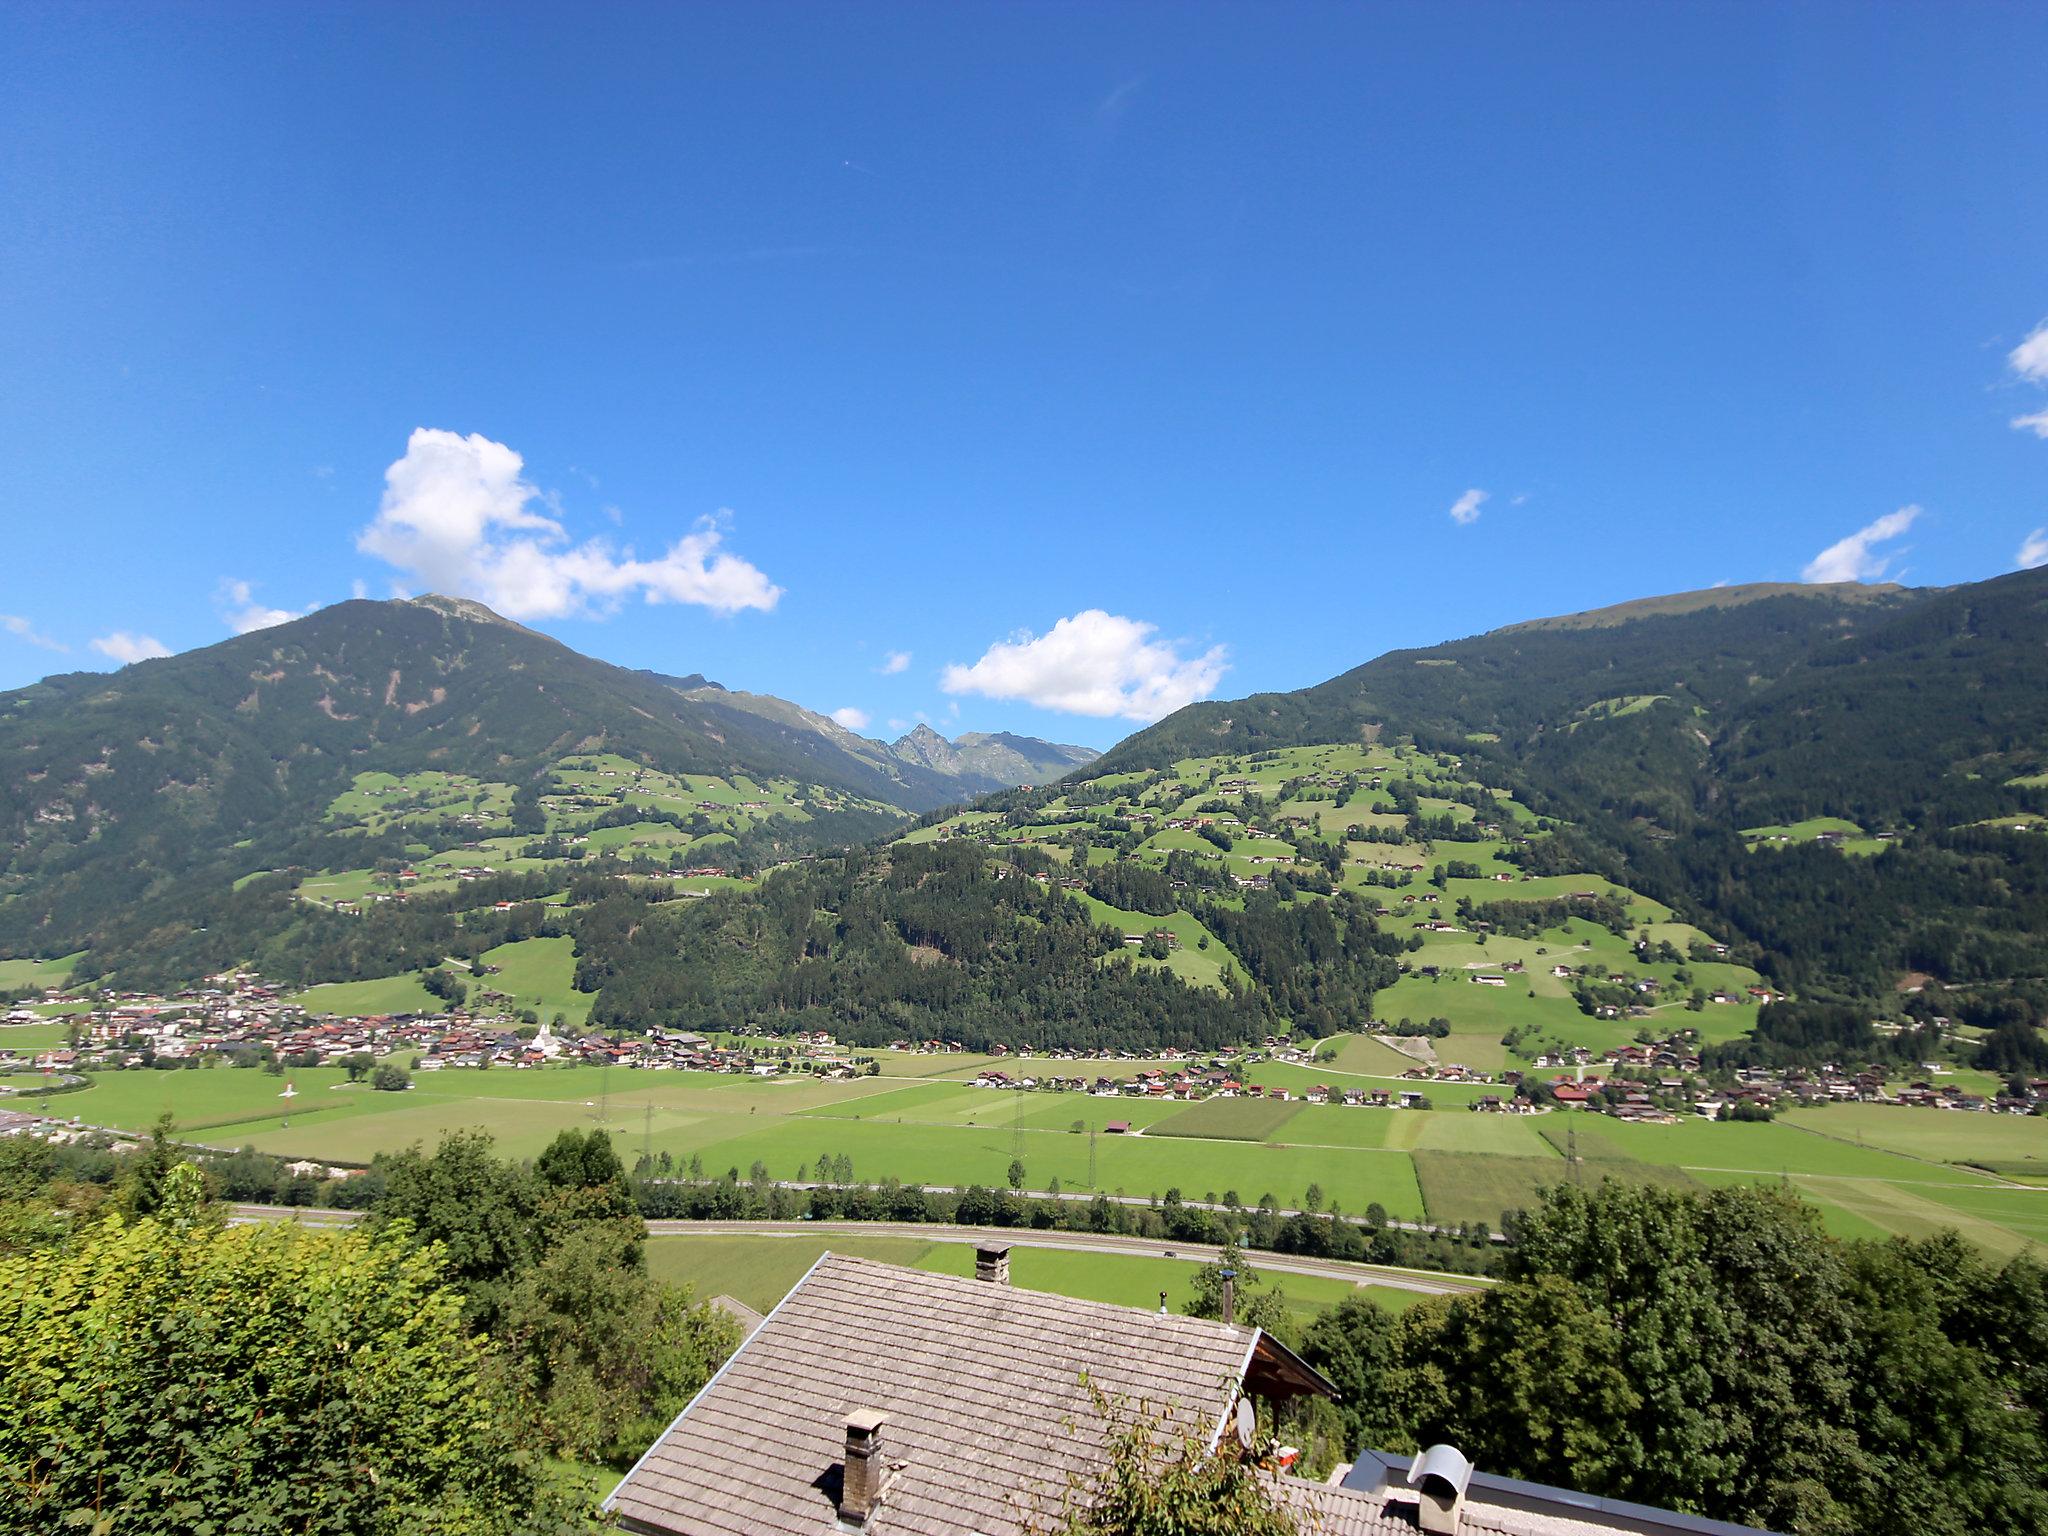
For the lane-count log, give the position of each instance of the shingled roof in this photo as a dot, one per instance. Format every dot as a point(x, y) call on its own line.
point(966, 1406)
point(988, 1413)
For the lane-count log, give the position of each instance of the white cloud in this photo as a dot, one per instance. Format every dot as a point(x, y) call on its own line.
point(894, 662)
point(23, 629)
point(239, 609)
point(853, 719)
point(1465, 510)
point(1094, 663)
point(359, 589)
point(459, 517)
point(126, 648)
point(897, 724)
point(2034, 550)
point(1853, 558)
point(2036, 423)
point(2030, 358)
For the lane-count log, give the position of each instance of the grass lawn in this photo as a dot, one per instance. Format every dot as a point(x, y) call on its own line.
point(1343, 1125)
point(16, 974)
point(1230, 1119)
point(539, 974)
point(1369, 1056)
point(2016, 1145)
point(760, 1270)
point(1193, 962)
point(733, 1121)
point(386, 994)
point(1769, 1149)
point(1474, 1131)
point(31, 1037)
point(1482, 1186)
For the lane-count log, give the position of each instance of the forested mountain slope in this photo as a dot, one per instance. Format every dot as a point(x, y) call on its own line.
point(1666, 734)
point(116, 789)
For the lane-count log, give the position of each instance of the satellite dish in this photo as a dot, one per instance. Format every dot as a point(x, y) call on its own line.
point(1246, 1422)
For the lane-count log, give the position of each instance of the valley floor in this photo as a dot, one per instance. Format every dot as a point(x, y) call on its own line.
point(1871, 1170)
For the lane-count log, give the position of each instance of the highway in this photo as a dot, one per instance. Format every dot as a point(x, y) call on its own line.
point(1428, 1282)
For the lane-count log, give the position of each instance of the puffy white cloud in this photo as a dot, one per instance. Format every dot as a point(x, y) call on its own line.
point(2033, 550)
point(24, 629)
point(2036, 423)
point(459, 516)
point(1094, 663)
point(894, 662)
point(243, 614)
point(126, 648)
point(1855, 558)
point(853, 719)
point(2030, 358)
point(1465, 510)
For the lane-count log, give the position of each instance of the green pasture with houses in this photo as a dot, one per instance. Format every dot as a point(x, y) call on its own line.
point(539, 974)
point(1870, 1172)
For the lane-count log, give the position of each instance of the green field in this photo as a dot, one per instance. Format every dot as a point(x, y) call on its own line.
point(760, 1270)
point(1229, 1119)
point(539, 974)
point(17, 974)
point(1871, 1170)
point(1198, 960)
point(1481, 1186)
point(2014, 1145)
point(31, 1037)
point(387, 994)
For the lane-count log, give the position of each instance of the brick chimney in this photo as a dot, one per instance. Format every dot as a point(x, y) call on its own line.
point(992, 1263)
point(1229, 1295)
point(860, 1490)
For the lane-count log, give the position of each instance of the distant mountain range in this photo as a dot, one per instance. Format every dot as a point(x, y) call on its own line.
point(974, 763)
point(116, 788)
point(1664, 738)
point(1665, 730)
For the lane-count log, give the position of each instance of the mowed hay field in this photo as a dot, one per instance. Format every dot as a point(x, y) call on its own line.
point(1230, 1119)
point(1481, 1186)
point(1448, 1165)
point(2013, 1145)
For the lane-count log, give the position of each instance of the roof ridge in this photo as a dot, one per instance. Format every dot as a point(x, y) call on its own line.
point(1236, 1332)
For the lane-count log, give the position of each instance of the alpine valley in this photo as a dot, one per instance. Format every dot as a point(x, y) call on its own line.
point(1732, 851)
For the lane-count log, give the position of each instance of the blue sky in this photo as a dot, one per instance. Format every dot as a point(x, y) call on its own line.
point(848, 332)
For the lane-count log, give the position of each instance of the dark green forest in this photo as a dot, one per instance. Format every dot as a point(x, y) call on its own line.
point(931, 941)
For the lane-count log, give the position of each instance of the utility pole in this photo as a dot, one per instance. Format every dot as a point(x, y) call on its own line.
point(1571, 1150)
point(647, 1137)
point(1091, 1157)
